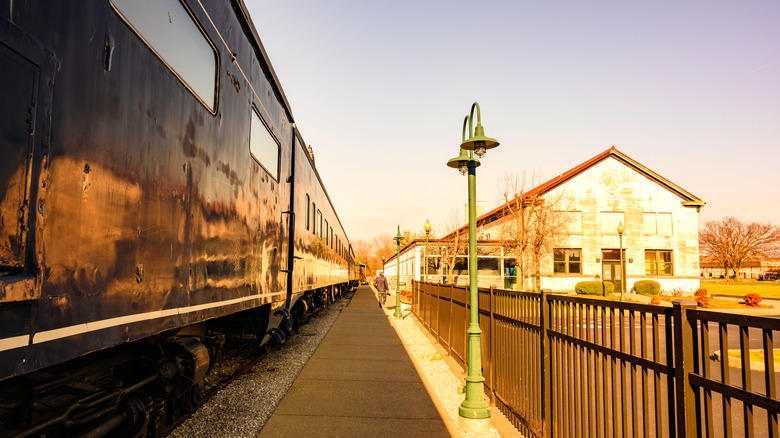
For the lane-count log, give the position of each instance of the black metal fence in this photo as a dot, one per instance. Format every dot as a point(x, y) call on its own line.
point(570, 366)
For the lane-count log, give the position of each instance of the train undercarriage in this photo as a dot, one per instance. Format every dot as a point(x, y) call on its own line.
point(138, 389)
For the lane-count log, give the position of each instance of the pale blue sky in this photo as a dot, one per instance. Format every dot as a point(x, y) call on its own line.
point(691, 89)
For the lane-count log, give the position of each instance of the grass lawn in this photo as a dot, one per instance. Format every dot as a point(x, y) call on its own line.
point(767, 289)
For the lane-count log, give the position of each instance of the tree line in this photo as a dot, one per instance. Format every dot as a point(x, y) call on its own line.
point(732, 242)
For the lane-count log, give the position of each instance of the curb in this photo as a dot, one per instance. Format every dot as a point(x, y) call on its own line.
point(736, 362)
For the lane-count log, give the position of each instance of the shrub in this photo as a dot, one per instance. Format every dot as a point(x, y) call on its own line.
point(752, 300)
point(647, 287)
point(655, 301)
point(594, 287)
point(702, 298)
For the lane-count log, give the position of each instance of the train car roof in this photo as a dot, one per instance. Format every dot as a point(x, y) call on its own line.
point(277, 86)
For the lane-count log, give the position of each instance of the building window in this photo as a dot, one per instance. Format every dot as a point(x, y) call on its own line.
point(263, 146)
point(488, 266)
point(658, 262)
point(610, 221)
point(461, 266)
point(172, 33)
point(658, 223)
point(567, 261)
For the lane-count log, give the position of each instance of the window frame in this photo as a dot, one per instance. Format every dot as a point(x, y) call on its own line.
point(318, 224)
point(656, 263)
point(656, 215)
point(314, 218)
point(567, 262)
point(308, 210)
point(273, 137)
point(217, 59)
point(327, 241)
point(606, 229)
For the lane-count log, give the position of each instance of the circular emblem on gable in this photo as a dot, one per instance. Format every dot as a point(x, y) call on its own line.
point(610, 181)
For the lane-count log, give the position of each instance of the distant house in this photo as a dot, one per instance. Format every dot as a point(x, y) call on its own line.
point(753, 269)
point(660, 239)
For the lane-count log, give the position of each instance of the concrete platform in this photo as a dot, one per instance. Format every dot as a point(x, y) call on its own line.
point(360, 382)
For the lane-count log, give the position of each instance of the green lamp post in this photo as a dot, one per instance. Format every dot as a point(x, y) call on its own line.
point(620, 230)
point(474, 406)
point(427, 228)
point(398, 237)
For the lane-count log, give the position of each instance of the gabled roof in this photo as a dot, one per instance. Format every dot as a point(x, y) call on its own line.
point(688, 199)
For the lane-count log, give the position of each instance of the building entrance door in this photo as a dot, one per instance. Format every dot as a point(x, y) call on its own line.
point(611, 272)
point(611, 269)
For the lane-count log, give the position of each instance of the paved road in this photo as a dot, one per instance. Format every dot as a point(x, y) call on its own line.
point(601, 382)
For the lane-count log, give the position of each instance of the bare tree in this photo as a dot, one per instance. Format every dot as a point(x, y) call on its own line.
point(534, 224)
point(550, 224)
point(731, 242)
point(384, 246)
point(454, 243)
point(516, 222)
point(364, 252)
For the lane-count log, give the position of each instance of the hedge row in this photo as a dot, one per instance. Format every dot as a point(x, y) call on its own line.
point(647, 287)
point(595, 287)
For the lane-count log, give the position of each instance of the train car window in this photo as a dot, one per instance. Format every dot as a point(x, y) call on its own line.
point(173, 34)
point(263, 145)
point(308, 216)
point(326, 231)
point(314, 218)
point(319, 224)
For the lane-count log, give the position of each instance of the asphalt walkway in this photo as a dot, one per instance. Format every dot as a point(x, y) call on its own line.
point(360, 382)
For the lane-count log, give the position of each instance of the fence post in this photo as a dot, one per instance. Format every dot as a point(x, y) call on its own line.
point(544, 349)
point(492, 344)
point(450, 320)
point(683, 366)
point(415, 289)
point(425, 306)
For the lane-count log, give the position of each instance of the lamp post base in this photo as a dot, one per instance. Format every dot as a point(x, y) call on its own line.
point(475, 426)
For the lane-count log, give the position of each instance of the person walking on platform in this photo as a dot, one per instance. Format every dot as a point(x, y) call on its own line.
point(380, 283)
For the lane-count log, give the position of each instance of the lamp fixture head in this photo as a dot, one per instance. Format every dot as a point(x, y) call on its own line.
point(479, 143)
point(479, 149)
point(461, 162)
point(398, 237)
point(427, 226)
point(621, 228)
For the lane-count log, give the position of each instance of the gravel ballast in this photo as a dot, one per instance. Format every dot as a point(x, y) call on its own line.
point(243, 407)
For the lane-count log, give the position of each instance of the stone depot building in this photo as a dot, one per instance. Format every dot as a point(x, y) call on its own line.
point(659, 241)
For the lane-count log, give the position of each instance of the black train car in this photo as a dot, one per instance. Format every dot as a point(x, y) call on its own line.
point(150, 178)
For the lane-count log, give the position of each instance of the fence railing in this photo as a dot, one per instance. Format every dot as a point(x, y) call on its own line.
point(571, 366)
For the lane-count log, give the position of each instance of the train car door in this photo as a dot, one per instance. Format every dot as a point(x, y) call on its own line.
point(19, 80)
